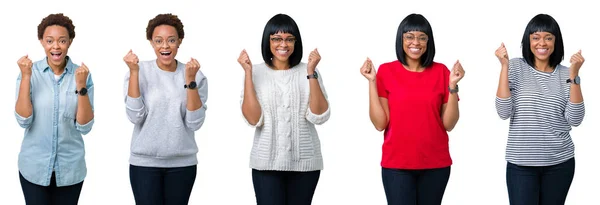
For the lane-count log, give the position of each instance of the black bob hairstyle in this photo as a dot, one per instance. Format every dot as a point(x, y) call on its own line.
point(415, 22)
point(543, 23)
point(284, 24)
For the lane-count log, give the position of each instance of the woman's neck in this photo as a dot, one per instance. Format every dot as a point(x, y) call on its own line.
point(281, 65)
point(543, 66)
point(413, 65)
point(170, 67)
point(58, 70)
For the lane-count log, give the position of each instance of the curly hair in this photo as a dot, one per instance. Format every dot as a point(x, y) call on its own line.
point(56, 19)
point(164, 19)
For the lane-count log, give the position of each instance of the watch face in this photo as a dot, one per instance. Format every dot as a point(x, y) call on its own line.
point(83, 91)
point(316, 75)
point(577, 80)
point(192, 85)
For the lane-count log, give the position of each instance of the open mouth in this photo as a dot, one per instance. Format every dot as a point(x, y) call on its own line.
point(414, 50)
point(56, 55)
point(165, 53)
point(282, 52)
point(542, 51)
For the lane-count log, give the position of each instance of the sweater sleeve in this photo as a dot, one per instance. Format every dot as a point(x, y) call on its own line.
point(194, 119)
point(322, 118)
point(505, 106)
point(134, 107)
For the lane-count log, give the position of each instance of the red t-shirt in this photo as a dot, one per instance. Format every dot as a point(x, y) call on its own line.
point(415, 137)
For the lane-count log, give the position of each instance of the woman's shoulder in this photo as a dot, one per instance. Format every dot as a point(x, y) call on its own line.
point(563, 69)
point(147, 63)
point(517, 62)
point(301, 65)
point(438, 66)
point(384, 67)
point(259, 67)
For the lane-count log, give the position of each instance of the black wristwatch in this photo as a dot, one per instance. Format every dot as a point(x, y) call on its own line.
point(81, 92)
point(455, 90)
point(192, 85)
point(314, 75)
point(575, 80)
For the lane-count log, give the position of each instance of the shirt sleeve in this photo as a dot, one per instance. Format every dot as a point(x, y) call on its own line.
point(380, 77)
point(323, 117)
point(446, 84)
point(87, 127)
point(574, 113)
point(194, 119)
point(24, 122)
point(505, 106)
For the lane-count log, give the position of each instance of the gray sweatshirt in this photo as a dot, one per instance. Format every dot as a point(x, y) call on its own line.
point(163, 135)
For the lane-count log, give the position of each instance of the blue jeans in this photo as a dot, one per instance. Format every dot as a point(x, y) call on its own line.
point(50, 195)
point(411, 187)
point(162, 186)
point(284, 187)
point(547, 185)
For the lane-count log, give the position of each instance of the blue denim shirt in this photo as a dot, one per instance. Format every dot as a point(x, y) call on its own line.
point(53, 140)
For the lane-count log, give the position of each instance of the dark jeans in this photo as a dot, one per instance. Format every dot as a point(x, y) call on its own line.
point(410, 187)
point(50, 195)
point(284, 187)
point(162, 186)
point(547, 185)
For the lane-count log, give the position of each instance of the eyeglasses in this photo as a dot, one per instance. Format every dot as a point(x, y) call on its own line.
point(60, 41)
point(278, 40)
point(170, 41)
point(535, 38)
point(411, 38)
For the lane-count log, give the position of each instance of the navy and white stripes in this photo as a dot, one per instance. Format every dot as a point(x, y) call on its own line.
point(541, 115)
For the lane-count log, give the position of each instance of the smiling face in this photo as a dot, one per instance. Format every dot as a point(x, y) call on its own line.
point(414, 45)
point(282, 46)
point(165, 42)
point(56, 43)
point(542, 45)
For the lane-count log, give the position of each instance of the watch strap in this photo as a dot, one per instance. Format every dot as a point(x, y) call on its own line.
point(314, 75)
point(455, 90)
point(192, 85)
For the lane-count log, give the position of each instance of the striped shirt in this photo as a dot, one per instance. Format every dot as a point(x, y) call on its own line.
point(541, 115)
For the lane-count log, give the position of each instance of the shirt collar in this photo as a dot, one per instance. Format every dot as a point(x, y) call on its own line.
point(69, 67)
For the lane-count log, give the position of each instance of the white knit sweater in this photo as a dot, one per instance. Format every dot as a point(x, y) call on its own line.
point(285, 138)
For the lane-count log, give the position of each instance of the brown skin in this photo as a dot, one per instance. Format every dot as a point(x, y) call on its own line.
point(164, 39)
point(56, 42)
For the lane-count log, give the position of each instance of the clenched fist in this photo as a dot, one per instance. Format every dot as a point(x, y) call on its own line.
point(81, 75)
point(576, 62)
point(502, 55)
point(191, 68)
point(456, 74)
point(132, 61)
point(368, 70)
point(244, 61)
point(313, 60)
point(25, 65)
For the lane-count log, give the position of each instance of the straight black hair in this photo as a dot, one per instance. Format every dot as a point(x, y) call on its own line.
point(415, 22)
point(543, 23)
point(284, 24)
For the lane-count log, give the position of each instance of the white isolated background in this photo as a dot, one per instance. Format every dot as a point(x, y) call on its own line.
point(345, 34)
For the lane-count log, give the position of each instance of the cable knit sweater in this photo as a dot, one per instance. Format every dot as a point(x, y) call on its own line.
point(285, 138)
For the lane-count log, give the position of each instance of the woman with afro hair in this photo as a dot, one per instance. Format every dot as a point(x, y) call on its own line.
point(165, 100)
